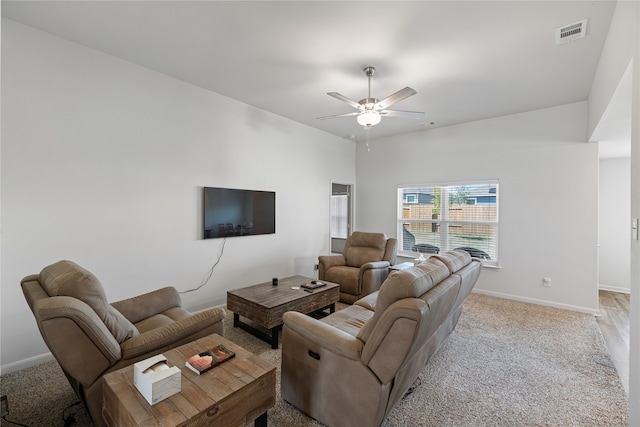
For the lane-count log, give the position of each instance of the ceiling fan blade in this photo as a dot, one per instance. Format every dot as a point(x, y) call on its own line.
point(396, 97)
point(343, 98)
point(339, 115)
point(405, 114)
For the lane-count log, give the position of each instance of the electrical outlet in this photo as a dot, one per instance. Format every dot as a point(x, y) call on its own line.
point(315, 266)
point(5, 406)
point(546, 282)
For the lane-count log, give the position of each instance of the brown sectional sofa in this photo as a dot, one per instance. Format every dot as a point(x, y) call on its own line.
point(352, 367)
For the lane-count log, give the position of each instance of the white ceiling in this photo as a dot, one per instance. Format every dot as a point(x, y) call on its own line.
point(467, 60)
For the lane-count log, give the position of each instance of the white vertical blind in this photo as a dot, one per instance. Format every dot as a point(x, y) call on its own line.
point(339, 216)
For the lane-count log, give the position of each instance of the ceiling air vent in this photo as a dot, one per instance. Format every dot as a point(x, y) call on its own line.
point(571, 32)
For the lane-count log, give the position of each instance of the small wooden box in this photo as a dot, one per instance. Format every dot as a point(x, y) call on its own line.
point(157, 384)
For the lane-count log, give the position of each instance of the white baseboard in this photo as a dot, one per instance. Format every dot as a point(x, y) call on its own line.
point(579, 309)
point(614, 289)
point(205, 306)
point(25, 363)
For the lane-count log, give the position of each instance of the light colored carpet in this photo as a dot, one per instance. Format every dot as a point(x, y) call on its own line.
point(506, 364)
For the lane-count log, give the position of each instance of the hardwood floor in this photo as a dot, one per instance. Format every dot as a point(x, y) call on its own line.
point(614, 324)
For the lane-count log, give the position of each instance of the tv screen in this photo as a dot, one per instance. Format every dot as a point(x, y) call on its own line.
point(231, 212)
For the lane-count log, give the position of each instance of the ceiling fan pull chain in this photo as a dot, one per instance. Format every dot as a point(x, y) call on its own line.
point(368, 138)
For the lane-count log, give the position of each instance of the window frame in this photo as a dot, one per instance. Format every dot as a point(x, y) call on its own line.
point(444, 220)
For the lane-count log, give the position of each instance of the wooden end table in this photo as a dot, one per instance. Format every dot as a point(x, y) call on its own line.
point(234, 393)
point(264, 304)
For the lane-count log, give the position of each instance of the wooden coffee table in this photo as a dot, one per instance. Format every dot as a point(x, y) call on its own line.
point(264, 304)
point(234, 393)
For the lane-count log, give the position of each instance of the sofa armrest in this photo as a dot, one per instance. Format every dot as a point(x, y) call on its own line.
point(375, 265)
point(146, 305)
point(371, 276)
point(74, 332)
point(325, 262)
point(395, 337)
point(323, 335)
point(167, 335)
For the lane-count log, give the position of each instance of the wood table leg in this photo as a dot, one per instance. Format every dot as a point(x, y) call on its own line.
point(271, 336)
point(261, 421)
point(236, 320)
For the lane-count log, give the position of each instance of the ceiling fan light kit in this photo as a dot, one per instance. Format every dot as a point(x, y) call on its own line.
point(371, 110)
point(369, 118)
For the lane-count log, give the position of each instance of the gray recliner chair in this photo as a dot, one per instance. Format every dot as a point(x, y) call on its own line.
point(90, 337)
point(362, 267)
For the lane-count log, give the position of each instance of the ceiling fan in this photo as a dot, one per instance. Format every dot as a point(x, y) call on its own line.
point(371, 110)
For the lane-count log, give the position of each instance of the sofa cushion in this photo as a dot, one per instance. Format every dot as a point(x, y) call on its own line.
point(167, 317)
point(121, 328)
point(350, 319)
point(347, 277)
point(357, 256)
point(368, 302)
point(365, 247)
point(454, 260)
point(66, 278)
point(409, 283)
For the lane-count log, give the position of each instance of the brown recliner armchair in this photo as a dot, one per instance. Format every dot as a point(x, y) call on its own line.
point(90, 337)
point(362, 267)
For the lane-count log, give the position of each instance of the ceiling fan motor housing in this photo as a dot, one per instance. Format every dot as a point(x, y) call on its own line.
point(368, 103)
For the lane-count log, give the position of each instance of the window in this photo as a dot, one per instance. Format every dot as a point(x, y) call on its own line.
point(439, 218)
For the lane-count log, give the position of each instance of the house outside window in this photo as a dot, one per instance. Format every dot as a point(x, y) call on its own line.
point(411, 198)
point(440, 218)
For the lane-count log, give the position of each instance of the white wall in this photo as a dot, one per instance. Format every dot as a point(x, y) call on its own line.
point(622, 48)
point(548, 196)
point(613, 225)
point(103, 163)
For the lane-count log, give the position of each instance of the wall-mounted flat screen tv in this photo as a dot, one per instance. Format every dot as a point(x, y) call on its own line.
point(232, 212)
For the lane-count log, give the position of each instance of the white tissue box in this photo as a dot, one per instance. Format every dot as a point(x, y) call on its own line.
point(157, 382)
